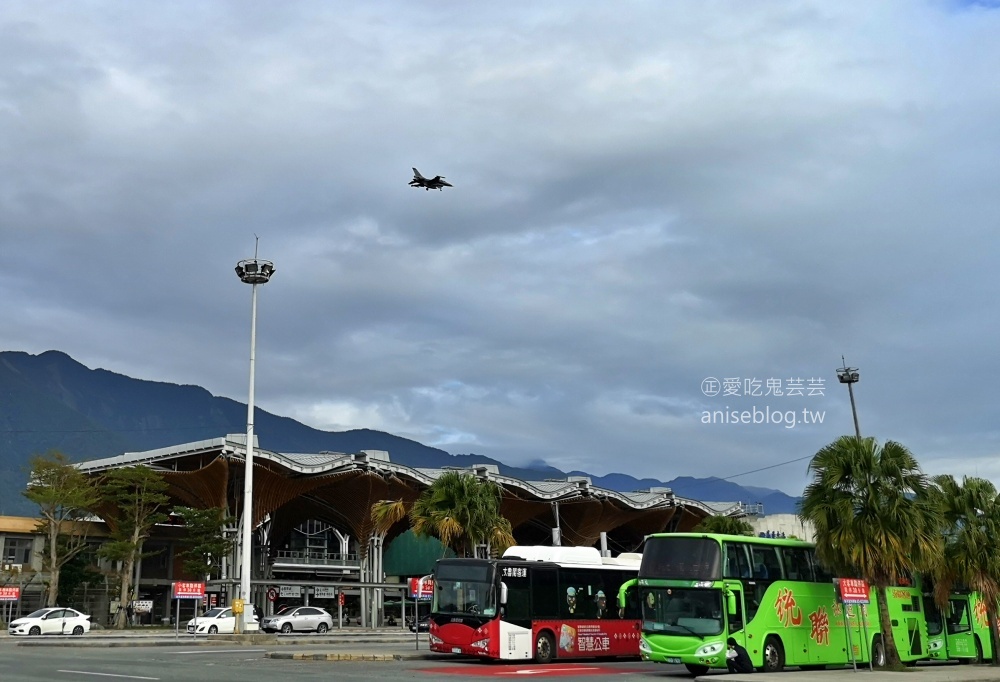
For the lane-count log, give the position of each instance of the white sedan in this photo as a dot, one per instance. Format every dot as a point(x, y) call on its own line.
point(215, 622)
point(51, 621)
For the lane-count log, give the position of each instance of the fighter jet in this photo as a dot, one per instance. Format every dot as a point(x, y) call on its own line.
point(437, 182)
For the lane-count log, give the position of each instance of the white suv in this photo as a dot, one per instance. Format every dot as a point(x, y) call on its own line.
point(298, 619)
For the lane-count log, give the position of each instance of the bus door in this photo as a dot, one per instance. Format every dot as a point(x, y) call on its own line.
point(958, 625)
point(855, 615)
point(735, 622)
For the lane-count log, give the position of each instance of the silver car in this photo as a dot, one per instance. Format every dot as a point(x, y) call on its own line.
point(298, 619)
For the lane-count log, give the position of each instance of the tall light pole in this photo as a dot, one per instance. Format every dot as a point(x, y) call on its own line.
point(849, 375)
point(250, 271)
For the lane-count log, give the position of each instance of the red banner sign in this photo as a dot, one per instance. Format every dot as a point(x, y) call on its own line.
point(10, 593)
point(189, 590)
point(853, 591)
point(426, 590)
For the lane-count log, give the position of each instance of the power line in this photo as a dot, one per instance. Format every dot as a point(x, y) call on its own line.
point(772, 466)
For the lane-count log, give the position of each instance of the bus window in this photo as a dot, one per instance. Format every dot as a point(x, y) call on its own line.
point(797, 564)
point(933, 616)
point(958, 620)
point(736, 619)
point(754, 594)
point(631, 610)
point(544, 593)
point(819, 571)
point(737, 561)
point(764, 562)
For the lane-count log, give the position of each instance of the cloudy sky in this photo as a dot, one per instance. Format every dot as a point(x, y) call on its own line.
point(646, 195)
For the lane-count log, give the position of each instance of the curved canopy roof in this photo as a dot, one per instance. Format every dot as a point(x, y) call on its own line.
point(341, 487)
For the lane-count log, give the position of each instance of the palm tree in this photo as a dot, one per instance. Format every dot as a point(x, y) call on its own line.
point(459, 509)
point(970, 514)
point(874, 516)
point(728, 525)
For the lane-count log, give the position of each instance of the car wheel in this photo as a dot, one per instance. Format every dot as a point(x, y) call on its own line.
point(322, 628)
point(774, 655)
point(78, 630)
point(286, 628)
point(213, 629)
point(545, 648)
point(35, 630)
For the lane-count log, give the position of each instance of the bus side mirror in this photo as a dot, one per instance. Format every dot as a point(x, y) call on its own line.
point(503, 593)
point(731, 604)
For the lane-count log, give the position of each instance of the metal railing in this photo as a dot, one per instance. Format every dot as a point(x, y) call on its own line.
point(315, 557)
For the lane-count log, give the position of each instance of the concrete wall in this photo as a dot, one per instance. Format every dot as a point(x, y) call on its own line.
point(789, 524)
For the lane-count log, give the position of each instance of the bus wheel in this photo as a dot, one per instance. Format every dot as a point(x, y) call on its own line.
point(545, 648)
point(696, 670)
point(774, 655)
point(878, 653)
point(979, 652)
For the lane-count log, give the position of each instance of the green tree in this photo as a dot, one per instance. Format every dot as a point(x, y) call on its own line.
point(459, 509)
point(64, 496)
point(77, 572)
point(874, 515)
point(205, 542)
point(970, 515)
point(135, 499)
point(729, 525)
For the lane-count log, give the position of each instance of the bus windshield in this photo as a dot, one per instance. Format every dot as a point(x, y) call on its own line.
point(933, 616)
point(464, 588)
point(682, 611)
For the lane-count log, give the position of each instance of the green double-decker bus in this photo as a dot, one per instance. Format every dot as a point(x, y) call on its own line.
point(959, 632)
point(771, 595)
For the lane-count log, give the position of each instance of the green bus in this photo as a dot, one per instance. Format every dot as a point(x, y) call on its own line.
point(961, 631)
point(771, 595)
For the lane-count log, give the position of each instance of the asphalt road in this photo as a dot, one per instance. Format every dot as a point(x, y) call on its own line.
point(249, 664)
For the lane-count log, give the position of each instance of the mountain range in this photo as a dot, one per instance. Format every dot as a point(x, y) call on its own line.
point(52, 402)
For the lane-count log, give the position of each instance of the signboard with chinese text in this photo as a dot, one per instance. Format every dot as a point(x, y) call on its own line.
point(189, 590)
point(426, 590)
point(853, 591)
point(142, 605)
point(10, 593)
point(290, 591)
point(325, 592)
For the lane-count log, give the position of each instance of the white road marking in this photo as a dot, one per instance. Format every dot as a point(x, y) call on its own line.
point(127, 677)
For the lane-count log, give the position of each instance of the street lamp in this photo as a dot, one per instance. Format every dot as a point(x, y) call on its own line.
point(849, 375)
point(250, 271)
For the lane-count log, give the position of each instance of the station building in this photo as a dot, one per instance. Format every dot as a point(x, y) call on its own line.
point(314, 537)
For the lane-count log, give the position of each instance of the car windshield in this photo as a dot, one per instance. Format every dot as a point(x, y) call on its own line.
point(213, 613)
point(39, 613)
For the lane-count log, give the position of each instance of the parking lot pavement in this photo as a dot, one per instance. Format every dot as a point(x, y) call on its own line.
point(161, 637)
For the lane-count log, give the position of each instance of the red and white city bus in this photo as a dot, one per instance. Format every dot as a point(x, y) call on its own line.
point(538, 603)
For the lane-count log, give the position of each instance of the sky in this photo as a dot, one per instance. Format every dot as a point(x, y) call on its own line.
point(666, 218)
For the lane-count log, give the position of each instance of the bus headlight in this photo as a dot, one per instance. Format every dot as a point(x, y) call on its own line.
point(482, 643)
point(643, 647)
point(935, 645)
point(436, 640)
point(709, 649)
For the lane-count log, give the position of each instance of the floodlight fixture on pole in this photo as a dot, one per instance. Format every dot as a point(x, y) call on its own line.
point(250, 271)
point(850, 376)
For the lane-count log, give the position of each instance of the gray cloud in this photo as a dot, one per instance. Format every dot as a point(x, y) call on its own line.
point(645, 195)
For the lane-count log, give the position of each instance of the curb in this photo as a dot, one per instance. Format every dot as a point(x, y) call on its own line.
point(346, 656)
